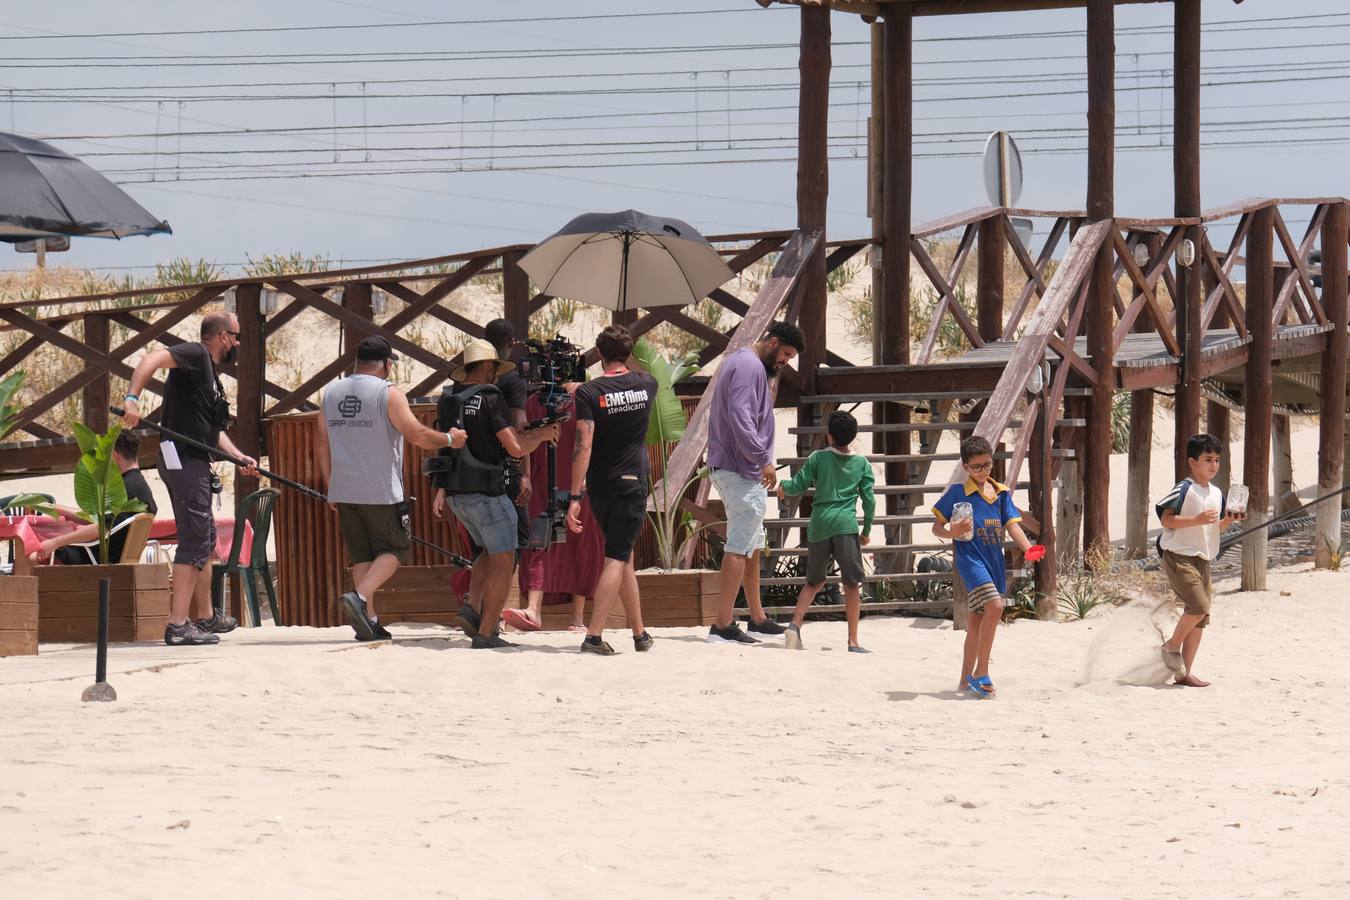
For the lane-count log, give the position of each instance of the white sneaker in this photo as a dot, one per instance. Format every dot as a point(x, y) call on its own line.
point(792, 638)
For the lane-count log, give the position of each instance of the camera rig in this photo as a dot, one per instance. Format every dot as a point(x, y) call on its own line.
point(546, 366)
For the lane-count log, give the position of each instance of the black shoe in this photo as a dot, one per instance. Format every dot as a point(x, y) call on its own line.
point(597, 646)
point(468, 621)
point(643, 642)
point(217, 624)
point(188, 634)
point(355, 608)
point(378, 632)
point(496, 642)
point(732, 634)
point(768, 626)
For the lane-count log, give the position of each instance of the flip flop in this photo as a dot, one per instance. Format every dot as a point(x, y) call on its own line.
point(517, 619)
point(973, 685)
point(985, 683)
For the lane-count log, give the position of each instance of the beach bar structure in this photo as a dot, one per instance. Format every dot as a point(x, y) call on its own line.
point(1101, 305)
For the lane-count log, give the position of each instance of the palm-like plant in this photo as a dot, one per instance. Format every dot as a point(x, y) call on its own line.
point(9, 410)
point(674, 528)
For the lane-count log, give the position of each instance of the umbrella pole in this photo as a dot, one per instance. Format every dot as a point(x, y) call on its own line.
point(623, 272)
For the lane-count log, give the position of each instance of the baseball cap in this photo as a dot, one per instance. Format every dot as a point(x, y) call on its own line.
point(376, 348)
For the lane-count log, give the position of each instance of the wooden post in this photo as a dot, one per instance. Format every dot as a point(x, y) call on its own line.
point(1331, 435)
point(876, 135)
point(356, 297)
point(813, 182)
point(1138, 500)
point(1096, 451)
point(1040, 462)
point(1283, 494)
point(516, 293)
point(1069, 508)
point(989, 285)
point(247, 433)
point(97, 392)
point(1218, 420)
point(1256, 457)
point(891, 316)
point(1186, 175)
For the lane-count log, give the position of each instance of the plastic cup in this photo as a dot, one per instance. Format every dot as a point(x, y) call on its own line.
point(1035, 553)
point(1238, 495)
point(963, 512)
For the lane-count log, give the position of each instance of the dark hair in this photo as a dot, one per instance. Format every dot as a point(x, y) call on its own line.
point(843, 428)
point(128, 445)
point(499, 333)
point(787, 334)
point(1202, 443)
point(974, 446)
point(214, 324)
point(615, 343)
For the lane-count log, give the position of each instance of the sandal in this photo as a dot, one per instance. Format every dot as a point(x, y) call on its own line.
point(973, 685)
point(985, 683)
point(520, 620)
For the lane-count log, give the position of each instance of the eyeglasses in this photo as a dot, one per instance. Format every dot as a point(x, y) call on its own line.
point(980, 467)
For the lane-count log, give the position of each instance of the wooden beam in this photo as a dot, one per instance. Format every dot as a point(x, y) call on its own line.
point(515, 293)
point(1096, 463)
point(96, 393)
point(891, 318)
point(1256, 456)
point(247, 433)
point(813, 181)
point(989, 280)
point(1331, 436)
point(1186, 181)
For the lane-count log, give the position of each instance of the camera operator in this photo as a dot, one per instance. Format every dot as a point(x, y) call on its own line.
point(360, 455)
point(609, 459)
point(501, 334)
point(476, 491)
point(194, 406)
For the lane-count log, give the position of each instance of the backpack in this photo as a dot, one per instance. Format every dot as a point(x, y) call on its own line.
point(458, 471)
point(1184, 486)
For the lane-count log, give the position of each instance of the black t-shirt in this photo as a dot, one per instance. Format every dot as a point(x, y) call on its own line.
point(514, 389)
point(192, 397)
point(620, 406)
point(138, 489)
point(485, 414)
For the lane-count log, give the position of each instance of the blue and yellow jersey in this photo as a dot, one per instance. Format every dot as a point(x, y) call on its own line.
point(980, 560)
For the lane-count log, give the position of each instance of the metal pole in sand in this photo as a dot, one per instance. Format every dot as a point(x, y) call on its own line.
point(100, 691)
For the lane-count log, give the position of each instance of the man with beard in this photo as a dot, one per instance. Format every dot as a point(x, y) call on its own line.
point(740, 455)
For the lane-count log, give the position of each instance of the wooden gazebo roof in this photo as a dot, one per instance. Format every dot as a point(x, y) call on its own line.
point(946, 7)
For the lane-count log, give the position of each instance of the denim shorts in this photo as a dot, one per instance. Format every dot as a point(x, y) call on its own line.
point(746, 501)
point(490, 520)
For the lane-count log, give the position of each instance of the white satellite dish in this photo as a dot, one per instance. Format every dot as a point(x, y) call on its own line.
point(1003, 178)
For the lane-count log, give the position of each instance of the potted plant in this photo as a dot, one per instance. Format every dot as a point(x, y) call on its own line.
point(670, 595)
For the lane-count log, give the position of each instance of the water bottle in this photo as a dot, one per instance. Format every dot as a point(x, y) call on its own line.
point(963, 512)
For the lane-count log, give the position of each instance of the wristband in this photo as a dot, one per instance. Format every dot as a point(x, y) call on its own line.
point(449, 440)
point(575, 498)
point(133, 398)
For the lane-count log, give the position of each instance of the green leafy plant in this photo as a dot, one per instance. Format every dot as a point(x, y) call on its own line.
point(9, 410)
point(1120, 422)
point(674, 528)
point(1081, 594)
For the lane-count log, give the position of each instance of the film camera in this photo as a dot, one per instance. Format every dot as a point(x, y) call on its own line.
point(546, 366)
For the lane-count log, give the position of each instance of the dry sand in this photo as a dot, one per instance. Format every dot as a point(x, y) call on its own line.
point(293, 763)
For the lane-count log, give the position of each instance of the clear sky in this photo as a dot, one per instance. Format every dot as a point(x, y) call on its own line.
point(517, 123)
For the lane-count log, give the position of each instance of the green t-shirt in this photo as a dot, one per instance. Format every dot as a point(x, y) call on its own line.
point(840, 480)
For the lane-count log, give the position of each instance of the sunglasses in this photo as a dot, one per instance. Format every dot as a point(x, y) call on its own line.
point(234, 334)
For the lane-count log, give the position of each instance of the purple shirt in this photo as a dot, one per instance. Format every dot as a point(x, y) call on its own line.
point(740, 423)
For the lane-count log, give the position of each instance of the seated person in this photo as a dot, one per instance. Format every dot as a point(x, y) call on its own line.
point(125, 453)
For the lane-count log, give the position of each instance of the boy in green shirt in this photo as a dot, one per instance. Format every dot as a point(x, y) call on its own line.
point(841, 478)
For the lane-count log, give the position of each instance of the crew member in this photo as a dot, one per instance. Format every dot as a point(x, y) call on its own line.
point(360, 455)
point(501, 334)
point(609, 460)
point(476, 490)
point(195, 407)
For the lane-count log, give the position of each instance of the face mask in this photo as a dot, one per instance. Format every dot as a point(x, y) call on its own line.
point(231, 354)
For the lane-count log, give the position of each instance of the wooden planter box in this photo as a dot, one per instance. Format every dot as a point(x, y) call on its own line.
point(18, 615)
point(68, 602)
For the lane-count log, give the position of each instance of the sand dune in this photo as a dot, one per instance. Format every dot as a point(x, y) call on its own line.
point(293, 763)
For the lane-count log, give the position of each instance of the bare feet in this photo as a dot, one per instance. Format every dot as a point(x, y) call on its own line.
point(1191, 681)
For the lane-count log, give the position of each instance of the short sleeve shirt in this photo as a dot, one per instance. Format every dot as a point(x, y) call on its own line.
point(1190, 499)
point(980, 559)
point(485, 414)
point(191, 389)
point(514, 390)
point(620, 406)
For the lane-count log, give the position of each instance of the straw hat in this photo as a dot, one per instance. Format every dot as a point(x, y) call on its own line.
point(476, 352)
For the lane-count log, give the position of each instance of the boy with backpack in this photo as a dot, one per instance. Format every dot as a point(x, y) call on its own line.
point(841, 478)
point(1193, 515)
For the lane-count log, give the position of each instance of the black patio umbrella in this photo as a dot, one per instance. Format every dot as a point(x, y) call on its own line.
point(627, 260)
point(45, 191)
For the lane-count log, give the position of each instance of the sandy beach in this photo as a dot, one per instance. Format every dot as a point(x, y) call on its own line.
point(294, 763)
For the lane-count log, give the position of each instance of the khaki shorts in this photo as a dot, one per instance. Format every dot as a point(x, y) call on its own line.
point(371, 531)
point(1189, 578)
